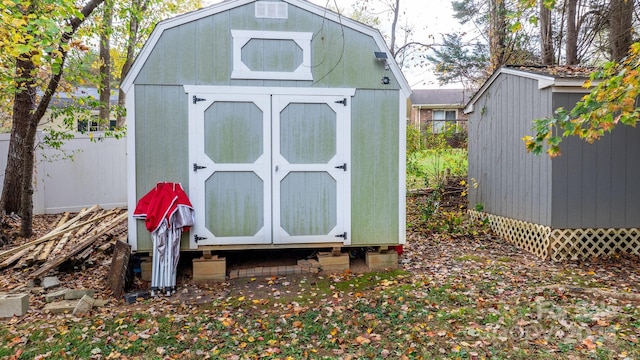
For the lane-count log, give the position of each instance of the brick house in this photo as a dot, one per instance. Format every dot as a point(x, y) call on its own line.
point(437, 107)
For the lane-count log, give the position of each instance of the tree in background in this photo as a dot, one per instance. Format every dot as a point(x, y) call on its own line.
point(498, 39)
point(37, 37)
point(614, 100)
point(456, 61)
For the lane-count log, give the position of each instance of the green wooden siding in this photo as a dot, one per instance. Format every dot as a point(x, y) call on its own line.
point(374, 176)
point(235, 206)
point(308, 203)
point(199, 52)
point(161, 138)
point(272, 55)
point(308, 133)
point(233, 132)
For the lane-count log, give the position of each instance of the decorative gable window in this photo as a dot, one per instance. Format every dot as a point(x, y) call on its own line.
point(271, 55)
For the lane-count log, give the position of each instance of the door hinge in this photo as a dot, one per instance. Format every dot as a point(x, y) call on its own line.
point(196, 99)
point(343, 101)
point(343, 235)
point(343, 167)
point(197, 167)
point(197, 238)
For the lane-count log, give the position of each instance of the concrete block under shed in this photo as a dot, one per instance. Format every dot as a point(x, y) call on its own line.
point(382, 260)
point(214, 268)
point(13, 304)
point(145, 270)
point(333, 263)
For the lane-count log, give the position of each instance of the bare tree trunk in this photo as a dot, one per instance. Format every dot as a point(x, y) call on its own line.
point(105, 64)
point(497, 33)
point(546, 35)
point(620, 25)
point(137, 7)
point(572, 33)
point(24, 103)
point(396, 13)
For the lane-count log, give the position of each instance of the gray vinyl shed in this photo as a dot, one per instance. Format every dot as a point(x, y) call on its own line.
point(583, 203)
point(283, 121)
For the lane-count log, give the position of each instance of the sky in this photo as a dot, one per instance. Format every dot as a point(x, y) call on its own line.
point(429, 19)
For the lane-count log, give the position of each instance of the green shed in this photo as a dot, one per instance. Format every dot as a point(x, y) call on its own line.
point(283, 121)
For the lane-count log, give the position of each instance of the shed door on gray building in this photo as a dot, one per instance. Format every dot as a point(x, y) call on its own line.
point(269, 165)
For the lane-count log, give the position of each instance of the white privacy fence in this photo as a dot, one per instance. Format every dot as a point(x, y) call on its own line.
point(82, 174)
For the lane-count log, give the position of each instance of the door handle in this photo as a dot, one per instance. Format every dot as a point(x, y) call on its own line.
point(276, 168)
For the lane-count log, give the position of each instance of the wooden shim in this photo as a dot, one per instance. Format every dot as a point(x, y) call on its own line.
point(52, 235)
point(15, 257)
point(55, 262)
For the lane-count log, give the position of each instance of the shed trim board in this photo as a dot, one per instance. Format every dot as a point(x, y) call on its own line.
point(131, 167)
point(148, 47)
point(402, 163)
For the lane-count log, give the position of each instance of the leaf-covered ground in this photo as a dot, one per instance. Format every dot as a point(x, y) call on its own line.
point(460, 293)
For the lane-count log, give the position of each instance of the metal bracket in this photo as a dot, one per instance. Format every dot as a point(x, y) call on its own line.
point(196, 99)
point(197, 167)
point(343, 167)
point(343, 101)
point(343, 235)
point(197, 238)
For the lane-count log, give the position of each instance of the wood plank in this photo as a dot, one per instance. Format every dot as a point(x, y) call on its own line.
point(63, 219)
point(52, 235)
point(15, 257)
point(88, 240)
point(61, 244)
point(46, 250)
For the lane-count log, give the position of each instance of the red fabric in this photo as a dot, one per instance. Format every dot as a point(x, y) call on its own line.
point(160, 203)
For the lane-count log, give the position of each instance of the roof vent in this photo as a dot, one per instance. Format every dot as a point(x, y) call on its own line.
point(272, 10)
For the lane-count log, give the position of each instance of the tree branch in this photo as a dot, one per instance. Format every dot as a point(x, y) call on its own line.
point(64, 40)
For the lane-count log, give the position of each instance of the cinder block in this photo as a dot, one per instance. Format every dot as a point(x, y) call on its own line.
point(331, 263)
point(73, 294)
point(210, 269)
point(13, 304)
point(61, 307)
point(382, 260)
point(56, 295)
point(145, 270)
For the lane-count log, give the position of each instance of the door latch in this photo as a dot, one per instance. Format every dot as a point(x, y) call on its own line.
point(343, 101)
point(197, 167)
point(343, 235)
point(197, 238)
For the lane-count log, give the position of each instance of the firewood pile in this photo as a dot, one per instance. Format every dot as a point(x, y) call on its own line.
point(73, 241)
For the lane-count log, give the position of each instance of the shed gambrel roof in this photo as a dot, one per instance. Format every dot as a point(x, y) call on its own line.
point(558, 78)
point(440, 97)
point(230, 4)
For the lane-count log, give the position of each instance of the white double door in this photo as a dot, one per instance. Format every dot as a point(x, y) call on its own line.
point(269, 165)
